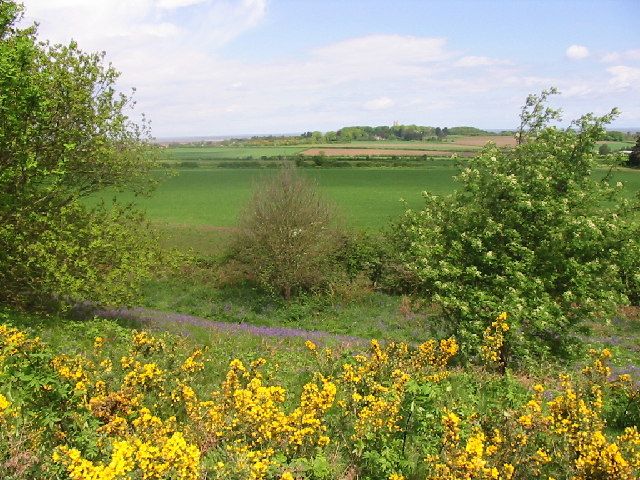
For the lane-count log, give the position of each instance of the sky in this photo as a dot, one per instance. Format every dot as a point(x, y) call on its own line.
point(224, 67)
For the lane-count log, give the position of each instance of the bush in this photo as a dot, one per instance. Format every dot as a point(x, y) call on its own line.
point(287, 236)
point(362, 253)
point(526, 233)
point(604, 149)
point(634, 156)
point(132, 405)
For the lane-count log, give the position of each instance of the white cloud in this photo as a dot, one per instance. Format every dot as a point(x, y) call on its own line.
point(173, 52)
point(627, 55)
point(386, 49)
point(624, 77)
point(577, 52)
point(173, 4)
point(120, 25)
point(577, 90)
point(471, 61)
point(381, 103)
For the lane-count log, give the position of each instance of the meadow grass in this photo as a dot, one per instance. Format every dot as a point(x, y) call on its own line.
point(182, 153)
point(367, 315)
point(367, 198)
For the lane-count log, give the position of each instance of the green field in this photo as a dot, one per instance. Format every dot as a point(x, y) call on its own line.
point(180, 153)
point(196, 208)
point(615, 146)
point(367, 198)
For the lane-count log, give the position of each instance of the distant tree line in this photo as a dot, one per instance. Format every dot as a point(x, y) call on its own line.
point(395, 132)
point(359, 133)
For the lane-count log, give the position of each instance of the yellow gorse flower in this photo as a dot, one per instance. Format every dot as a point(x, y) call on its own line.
point(154, 422)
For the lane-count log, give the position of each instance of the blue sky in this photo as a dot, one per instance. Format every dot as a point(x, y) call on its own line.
point(217, 67)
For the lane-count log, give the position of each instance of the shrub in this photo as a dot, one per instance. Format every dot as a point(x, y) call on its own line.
point(361, 253)
point(137, 406)
point(287, 236)
point(604, 149)
point(527, 233)
point(634, 156)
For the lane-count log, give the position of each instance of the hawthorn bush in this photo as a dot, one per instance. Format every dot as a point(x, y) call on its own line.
point(536, 230)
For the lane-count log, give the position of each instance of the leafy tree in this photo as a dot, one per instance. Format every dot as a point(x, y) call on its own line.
point(526, 233)
point(331, 137)
point(604, 149)
point(614, 136)
point(634, 156)
point(535, 115)
point(472, 131)
point(287, 236)
point(64, 135)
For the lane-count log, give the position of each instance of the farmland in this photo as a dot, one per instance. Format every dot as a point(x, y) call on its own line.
point(217, 154)
point(197, 208)
point(215, 196)
point(211, 197)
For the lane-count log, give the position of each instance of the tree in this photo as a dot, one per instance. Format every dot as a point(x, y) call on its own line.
point(604, 149)
point(525, 233)
point(634, 156)
point(64, 135)
point(535, 115)
point(287, 236)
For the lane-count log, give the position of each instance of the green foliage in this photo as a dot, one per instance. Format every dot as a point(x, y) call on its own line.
point(472, 131)
point(604, 149)
point(65, 134)
point(482, 400)
point(526, 233)
point(535, 115)
point(634, 156)
point(615, 136)
point(287, 236)
point(362, 253)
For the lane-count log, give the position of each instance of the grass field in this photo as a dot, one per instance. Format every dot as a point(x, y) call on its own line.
point(367, 198)
point(618, 145)
point(197, 208)
point(181, 153)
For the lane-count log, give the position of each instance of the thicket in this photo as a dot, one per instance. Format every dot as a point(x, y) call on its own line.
point(64, 135)
point(537, 231)
point(287, 236)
